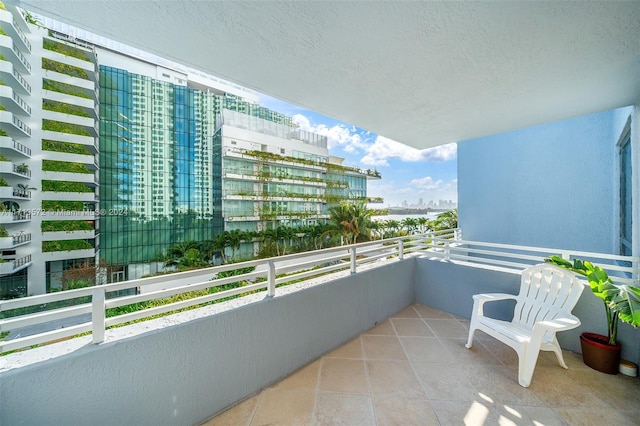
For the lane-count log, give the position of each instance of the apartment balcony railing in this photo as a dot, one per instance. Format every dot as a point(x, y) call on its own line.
point(267, 275)
point(14, 266)
point(11, 144)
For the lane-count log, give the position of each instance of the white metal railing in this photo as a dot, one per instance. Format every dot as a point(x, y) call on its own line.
point(92, 303)
point(621, 269)
point(95, 300)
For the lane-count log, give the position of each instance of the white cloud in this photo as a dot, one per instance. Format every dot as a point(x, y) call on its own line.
point(385, 148)
point(427, 182)
point(336, 135)
point(378, 152)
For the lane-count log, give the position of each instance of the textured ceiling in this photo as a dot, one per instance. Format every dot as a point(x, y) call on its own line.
point(422, 73)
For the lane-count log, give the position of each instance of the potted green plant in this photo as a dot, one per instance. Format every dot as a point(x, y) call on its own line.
point(621, 302)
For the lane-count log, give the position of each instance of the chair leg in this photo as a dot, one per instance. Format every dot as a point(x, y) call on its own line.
point(556, 349)
point(472, 332)
point(526, 366)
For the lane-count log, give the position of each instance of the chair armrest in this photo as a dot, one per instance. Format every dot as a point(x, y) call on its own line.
point(557, 324)
point(491, 297)
point(480, 299)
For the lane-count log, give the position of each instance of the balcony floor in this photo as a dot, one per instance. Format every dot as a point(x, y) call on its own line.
point(413, 369)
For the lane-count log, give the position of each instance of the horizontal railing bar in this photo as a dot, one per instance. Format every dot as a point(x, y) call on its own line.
point(303, 265)
point(312, 273)
point(43, 317)
point(36, 339)
point(160, 294)
point(181, 304)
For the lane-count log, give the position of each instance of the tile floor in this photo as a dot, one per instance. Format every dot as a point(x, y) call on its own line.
point(413, 369)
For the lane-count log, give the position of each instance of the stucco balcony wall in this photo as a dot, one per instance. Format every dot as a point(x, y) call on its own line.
point(183, 374)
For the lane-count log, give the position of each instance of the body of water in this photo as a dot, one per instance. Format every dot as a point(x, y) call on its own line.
point(400, 217)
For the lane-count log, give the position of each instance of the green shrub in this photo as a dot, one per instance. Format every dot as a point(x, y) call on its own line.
point(65, 225)
point(65, 245)
point(3, 158)
point(3, 182)
point(65, 88)
point(64, 186)
point(64, 166)
point(57, 205)
point(65, 49)
point(68, 147)
point(3, 232)
point(58, 126)
point(64, 108)
point(69, 70)
point(3, 133)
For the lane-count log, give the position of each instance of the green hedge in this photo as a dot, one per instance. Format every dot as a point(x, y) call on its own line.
point(64, 186)
point(64, 108)
point(68, 147)
point(65, 49)
point(58, 126)
point(57, 205)
point(64, 166)
point(65, 88)
point(70, 70)
point(65, 245)
point(65, 225)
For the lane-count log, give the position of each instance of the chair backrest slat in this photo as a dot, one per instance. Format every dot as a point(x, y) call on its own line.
point(546, 292)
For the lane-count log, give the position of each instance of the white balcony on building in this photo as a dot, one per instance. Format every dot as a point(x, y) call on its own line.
point(12, 77)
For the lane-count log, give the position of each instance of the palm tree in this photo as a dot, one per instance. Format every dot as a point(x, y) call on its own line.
point(423, 222)
point(234, 238)
point(350, 221)
point(446, 220)
point(220, 243)
point(410, 224)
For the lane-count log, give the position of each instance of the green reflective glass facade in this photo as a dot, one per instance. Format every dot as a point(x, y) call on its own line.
point(157, 166)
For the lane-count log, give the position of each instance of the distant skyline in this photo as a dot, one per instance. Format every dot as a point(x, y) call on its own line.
point(408, 174)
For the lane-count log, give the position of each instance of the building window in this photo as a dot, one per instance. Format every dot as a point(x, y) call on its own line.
point(625, 193)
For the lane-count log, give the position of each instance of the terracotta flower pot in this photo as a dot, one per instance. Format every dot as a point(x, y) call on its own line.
point(598, 354)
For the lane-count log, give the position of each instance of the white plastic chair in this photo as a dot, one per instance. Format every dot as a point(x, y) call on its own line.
point(547, 296)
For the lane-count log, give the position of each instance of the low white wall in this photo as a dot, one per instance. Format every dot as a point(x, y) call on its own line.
point(186, 373)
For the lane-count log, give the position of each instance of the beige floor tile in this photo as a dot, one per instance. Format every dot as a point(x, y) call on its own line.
point(448, 328)
point(352, 349)
point(343, 375)
point(411, 327)
point(500, 385)
point(284, 407)
point(407, 312)
point(393, 378)
point(590, 417)
point(305, 378)
point(504, 353)
point(555, 386)
point(428, 312)
point(444, 381)
point(393, 411)
point(513, 415)
point(468, 413)
point(425, 349)
point(341, 409)
point(241, 414)
point(382, 347)
point(478, 354)
point(384, 328)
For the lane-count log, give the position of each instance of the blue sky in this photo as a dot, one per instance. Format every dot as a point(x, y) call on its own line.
point(407, 173)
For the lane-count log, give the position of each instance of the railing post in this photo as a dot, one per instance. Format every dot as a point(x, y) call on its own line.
point(353, 260)
point(457, 234)
point(400, 250)
point(98, 314)
point(271, 279)
point(447, 250)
